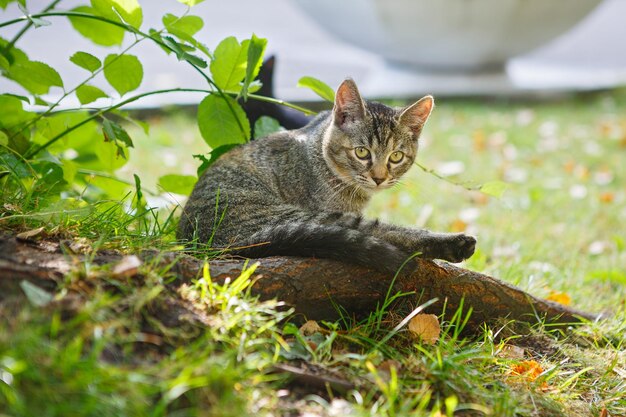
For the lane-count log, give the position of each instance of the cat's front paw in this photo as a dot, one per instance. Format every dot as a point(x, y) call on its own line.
point(457, 247)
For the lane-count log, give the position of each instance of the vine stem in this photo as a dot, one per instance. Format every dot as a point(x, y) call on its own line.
point(21, 33)
point(89, 172)
point(100, 112)
point(67, 93)
point(441, 177)
point(277, 101)
point(136, 31)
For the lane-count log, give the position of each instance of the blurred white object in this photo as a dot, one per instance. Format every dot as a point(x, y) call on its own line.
point(454, 35)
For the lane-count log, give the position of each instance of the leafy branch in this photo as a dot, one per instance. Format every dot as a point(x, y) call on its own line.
point(32, 152)
point(30, 23)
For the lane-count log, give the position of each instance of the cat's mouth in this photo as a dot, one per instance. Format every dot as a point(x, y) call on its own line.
point(371, 184)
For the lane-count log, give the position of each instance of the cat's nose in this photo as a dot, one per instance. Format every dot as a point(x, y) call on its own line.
point(378, 181)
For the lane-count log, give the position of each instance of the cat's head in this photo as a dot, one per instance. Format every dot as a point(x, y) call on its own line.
point(369, 144)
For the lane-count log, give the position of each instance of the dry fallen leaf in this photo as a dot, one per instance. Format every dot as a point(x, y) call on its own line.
point(511, 352)
point(127, 267)
point(29, 234)
point(425, 327)
point(81, 245)
point(527, 370)
point(309, 328)
point(559, 297)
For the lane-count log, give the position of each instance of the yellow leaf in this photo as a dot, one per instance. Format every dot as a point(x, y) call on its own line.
point(425, 327)
point(559, 297)
point(528, 370)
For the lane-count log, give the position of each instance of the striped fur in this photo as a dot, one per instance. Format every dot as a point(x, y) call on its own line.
point(301, 192)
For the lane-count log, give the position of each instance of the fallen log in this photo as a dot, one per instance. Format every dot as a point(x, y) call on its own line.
point(314, 287)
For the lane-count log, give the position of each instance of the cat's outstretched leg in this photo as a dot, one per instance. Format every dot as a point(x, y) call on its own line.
point(313, 239)
point(453, 247)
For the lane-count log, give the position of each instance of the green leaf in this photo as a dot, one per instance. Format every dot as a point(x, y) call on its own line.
point(88, 93)
point(86, 61)
point(36, 295)
point(205, 162)
point(184, 27)
point(34, 76)
point(5, 3)
point(51, 173)
point(12, 113)
point(41, 102)
point(222, 121)
point(116, 134)
point(494, 188)
point(13, 55)
point(113, 132)
point(319, 87)
point(70, 169)
point(128, 10)
point(19, 97)
point(109, 187)
point(196, 60)
point(212, 157)
point(256, 48)
point(217, 152)
point(174, 46)
point(228, 66)
point(265, 126)
point(14, 165)
point(191, 3)
point(123, 72)
point(4, 139)
point(100, 33)
point(178, 184)
point(181, 54)
point(84, 139)
point(140, 202)
point(4, 63)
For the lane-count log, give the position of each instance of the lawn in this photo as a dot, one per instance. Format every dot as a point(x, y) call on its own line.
point(556, 231)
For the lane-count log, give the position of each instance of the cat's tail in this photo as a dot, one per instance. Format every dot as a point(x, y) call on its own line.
point(325, 241)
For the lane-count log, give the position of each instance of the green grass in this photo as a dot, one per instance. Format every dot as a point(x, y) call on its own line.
point(559, 226)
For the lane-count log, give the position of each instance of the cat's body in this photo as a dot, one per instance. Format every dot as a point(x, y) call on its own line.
point(301, 192)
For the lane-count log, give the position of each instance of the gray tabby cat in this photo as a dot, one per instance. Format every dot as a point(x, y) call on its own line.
point(301, 192)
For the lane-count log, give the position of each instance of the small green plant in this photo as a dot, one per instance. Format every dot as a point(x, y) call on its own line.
point(52, 154)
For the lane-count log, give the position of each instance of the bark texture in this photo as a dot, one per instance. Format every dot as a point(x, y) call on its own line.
point(312, 286)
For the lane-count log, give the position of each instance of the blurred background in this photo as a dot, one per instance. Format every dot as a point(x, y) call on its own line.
point(393, 49)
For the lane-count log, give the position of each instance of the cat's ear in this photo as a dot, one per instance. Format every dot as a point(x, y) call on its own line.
point(349, 106)
point(417, 113)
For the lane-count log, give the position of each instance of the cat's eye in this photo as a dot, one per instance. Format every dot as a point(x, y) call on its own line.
point(396, 157)
point(362, 153)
